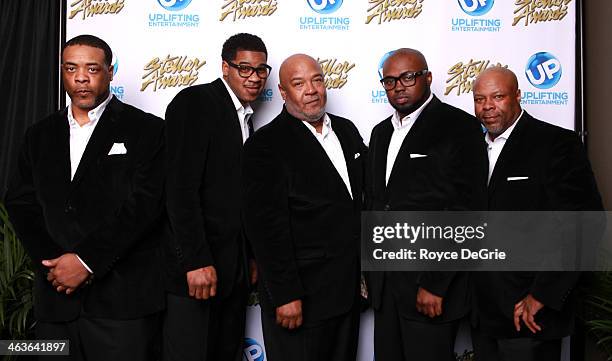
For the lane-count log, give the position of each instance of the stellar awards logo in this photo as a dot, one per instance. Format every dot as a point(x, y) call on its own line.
point(90, 8)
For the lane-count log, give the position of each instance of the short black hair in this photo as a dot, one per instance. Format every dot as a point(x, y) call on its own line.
point(94, 42)
point(242, 41)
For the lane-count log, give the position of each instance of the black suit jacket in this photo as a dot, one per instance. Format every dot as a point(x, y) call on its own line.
point(110, 214)
point(203, 186)
point(300, 219)
point(559, 179)
point(452, 177)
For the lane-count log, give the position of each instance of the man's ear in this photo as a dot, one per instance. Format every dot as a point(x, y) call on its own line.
point(111, 71)
point(225, 68)
point(282, 91)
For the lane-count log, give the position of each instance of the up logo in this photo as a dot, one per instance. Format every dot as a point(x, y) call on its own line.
point(476, 7)
point(252, 351)
point(325, 6)
point(543, 70)
point(382, 62)
point(174, 5)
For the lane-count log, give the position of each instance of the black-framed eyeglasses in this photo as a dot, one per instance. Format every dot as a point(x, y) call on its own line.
point(245, 71)
point(407, 78)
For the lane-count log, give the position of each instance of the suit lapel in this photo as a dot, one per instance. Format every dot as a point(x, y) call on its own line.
point(512, 149)
point(314, 148)
point(349, 157)
point(101, 140)
point(62, 137)
point(412, 140)
point(381, 150)
point(232, 115)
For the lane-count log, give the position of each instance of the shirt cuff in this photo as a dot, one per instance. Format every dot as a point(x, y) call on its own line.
point(84, 264)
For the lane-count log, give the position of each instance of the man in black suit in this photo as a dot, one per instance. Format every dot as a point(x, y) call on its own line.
point(302, 184)
point(533, 166)
point(206, 126)
point(86, 201)
point(428, 156)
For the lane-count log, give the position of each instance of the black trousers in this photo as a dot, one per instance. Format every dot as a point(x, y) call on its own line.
point(487, 348)
point(96, 339)
point(207, 330)
point(397, 338)
point(334, 339)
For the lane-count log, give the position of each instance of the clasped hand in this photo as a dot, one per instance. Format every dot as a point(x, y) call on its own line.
point(66, 273)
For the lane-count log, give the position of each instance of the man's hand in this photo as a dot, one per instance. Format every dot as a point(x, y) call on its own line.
point(202, 282)
point(290, 315)
point(253, 271)
point(526, 310)
point(66, 273)
point(428, 304)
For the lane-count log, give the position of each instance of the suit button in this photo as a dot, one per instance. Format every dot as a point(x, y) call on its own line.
point(387, 207)
point(68, 208)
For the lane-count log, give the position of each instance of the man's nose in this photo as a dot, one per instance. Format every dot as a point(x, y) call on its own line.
point(81, 75)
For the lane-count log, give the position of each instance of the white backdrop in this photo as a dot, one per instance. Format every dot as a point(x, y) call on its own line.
point(161, 46)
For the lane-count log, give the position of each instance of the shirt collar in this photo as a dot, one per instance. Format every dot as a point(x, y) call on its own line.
point(326, 127)
point(237, 104)
point(93, 115)
point(410, 118)
point(506, 134)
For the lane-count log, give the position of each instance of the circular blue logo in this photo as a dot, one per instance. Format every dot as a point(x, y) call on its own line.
point(115, 64)
point(325, 6)
point(252, 350)
point(382, 62)
point(476, 7)
point(543, 70)
point(174, 5)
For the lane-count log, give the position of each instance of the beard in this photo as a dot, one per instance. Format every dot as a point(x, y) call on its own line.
point(313, 117)
point(404, 108)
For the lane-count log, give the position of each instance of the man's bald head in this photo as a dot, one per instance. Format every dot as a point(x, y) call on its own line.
point(302, 86)
point(289, 65)
point(415, 56)
point(501, 75)
point(497, 99)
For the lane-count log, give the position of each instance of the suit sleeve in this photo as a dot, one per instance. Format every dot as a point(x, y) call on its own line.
point(570, 186)
point(267, 224)
point(369, 172)
point(25, 211)
point(469, 176)
point(187, 142)
point(118, 233)
point(469, 168)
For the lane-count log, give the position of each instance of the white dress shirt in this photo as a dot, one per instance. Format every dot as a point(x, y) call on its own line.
point(331, 144)
point(494, 147)
point(244, 112)
point(79, 137)
point(80, 134)
point(401, 127)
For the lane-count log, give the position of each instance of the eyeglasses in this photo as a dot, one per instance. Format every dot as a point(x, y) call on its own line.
point(245, 71)
point(407, 79)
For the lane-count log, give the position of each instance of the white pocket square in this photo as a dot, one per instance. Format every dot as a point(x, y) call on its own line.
point(117, 148)
point(357, 155)
point(417, 155)
point(517, 178)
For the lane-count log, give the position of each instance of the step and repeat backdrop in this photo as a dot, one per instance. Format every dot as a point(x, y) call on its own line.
point(162, 46)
